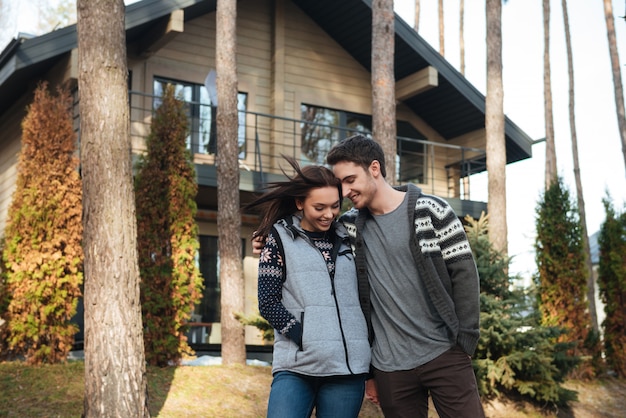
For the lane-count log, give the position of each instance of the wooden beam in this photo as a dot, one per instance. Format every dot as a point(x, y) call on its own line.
point(161, 33)
point(417, 83)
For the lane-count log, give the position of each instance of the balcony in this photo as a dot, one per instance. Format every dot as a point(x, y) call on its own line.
point(441, 169)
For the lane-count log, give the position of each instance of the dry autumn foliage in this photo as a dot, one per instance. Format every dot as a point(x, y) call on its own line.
point(42, 254)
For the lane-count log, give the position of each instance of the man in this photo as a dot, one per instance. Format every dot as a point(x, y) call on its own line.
point(418, 287)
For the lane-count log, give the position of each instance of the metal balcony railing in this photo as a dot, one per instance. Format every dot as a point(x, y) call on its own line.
point(441, 169)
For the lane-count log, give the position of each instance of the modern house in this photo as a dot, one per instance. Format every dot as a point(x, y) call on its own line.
point(304, 83)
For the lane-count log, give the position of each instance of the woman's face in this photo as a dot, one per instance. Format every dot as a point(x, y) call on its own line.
point(319, 208)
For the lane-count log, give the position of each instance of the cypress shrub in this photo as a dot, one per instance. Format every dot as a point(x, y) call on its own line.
point(42, 254)
point(165, 192)
point(612, 286)
point(562, 276)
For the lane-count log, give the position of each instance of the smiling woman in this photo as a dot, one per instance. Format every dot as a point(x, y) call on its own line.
point(321, 349)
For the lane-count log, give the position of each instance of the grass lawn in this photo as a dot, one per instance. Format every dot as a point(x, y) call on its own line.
point(235, 391)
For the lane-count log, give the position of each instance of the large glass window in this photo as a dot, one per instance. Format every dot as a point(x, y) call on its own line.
point(208, 310)
point(209, 307)
point(411, 161)
point(321, 128)
point(202, 115)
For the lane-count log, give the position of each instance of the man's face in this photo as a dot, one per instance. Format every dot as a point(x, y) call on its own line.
point(357, 183)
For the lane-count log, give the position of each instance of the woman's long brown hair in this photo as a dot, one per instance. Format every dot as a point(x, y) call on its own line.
point(280, 199)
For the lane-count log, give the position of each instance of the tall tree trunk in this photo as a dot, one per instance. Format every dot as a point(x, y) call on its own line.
point(228, 215)
point(115, 371)
point(441, 30)
point(416, 24)
point(462, 35)
point(551, 172)
point(591, 294)
point(383, 83)
point(494, 126)
point(617, 74)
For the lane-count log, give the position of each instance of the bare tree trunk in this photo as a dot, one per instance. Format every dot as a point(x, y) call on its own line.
point(462, 35)
point(115, 371)
point(591, 295)
point(441, 31)
point(494, 126)
point(617, 74)
point(228, 215)
point(383, 83)
point(416, 24)
point(551, 172)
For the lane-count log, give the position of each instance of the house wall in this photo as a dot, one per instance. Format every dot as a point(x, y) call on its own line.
point(10, 144)
point(283, 60)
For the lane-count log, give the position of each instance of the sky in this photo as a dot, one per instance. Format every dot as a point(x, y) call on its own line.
point(600, 155)
point(599, 144)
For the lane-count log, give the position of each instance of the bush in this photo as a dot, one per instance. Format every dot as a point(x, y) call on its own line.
point(42, 254)
point(612, 284)
point(516, 356)
point(165, 191)
point(562, 280)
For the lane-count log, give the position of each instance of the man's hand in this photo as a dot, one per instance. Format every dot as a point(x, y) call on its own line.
point(371, 391)
point(257, 244)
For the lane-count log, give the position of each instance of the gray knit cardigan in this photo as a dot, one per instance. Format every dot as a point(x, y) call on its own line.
point(443, 258)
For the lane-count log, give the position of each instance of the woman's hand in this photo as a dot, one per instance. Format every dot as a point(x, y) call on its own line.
point(257, 244)
point(371, 391)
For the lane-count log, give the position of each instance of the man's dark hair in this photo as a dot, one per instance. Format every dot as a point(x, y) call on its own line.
point(359, 150)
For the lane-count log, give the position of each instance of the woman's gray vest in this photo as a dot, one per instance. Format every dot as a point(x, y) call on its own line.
point(334, 332)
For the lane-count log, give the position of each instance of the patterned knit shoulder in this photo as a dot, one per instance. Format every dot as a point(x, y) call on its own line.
point(433, 205)
point(439, 230)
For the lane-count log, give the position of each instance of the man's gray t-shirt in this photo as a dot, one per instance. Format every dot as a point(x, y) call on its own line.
point(408, 331)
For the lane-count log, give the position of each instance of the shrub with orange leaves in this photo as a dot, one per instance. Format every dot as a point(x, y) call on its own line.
point(42, 254)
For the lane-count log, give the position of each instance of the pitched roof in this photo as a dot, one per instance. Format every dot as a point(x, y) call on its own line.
point(453, 108)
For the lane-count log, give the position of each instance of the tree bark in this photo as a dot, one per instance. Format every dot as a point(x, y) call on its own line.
point(441, 30)
point(494, 126)
point(462, 35)
point(617, 74)
point(591, 294)
point(228, 215)
point(416, 24)
point(115, 371)
point(551, 172)
point(383, 83)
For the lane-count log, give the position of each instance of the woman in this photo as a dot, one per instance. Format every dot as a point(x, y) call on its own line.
point(308, 293)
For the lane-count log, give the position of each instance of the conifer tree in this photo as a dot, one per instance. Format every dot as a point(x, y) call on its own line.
point(516, 355)
point(165, 192)
point(42, 255)
point(562, 285)
point(612, 285)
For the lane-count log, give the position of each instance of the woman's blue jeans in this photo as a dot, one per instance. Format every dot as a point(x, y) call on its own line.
point(294, 396)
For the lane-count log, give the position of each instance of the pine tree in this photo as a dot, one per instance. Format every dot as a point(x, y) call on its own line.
point(165, 191)
point(516, 355)
point(562, 284)
point(42, 253)
point(612, 285)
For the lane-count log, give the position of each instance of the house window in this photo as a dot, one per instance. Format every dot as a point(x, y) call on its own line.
point(208, 310)
point(412, 158)
point(321, 128)
point(202, 115)
point(209, 307)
